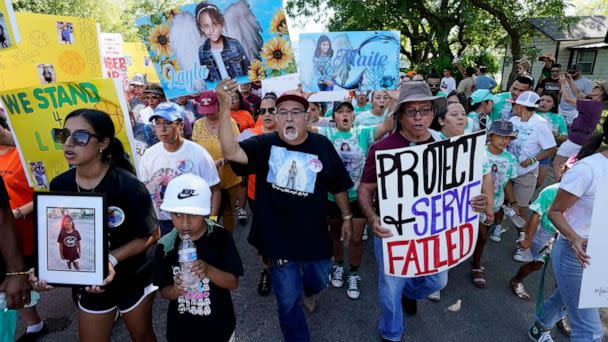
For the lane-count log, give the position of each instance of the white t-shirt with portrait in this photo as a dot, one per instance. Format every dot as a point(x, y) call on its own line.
point(583, 180)
point(158, 167)
point(533, 136)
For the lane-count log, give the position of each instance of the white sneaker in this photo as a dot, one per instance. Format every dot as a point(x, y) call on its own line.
point(353, 286)
point(496, 234)
point(337, 276)
point(435, 296)
point(523, 255)
point(520, 237)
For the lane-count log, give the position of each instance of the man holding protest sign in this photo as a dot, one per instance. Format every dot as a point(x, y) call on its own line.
point(413, 115)
point(294, 170)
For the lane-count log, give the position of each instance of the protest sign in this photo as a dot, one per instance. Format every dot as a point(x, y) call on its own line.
point(9, 32)
point(280, 84)
point(424, 193)
point(197, 45)
point(113, 61)
point(594, 285)
point(52, 49)
point(34, 112)
point(138, 61)
point(349, 60)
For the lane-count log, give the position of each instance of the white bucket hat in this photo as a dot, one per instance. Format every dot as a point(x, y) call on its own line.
point(187, 194)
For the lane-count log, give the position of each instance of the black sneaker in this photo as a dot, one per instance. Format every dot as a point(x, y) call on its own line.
point(410, 306)
point(30, 337)
point(264, 285)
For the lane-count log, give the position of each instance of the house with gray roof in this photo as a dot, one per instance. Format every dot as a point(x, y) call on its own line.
point(584, 42)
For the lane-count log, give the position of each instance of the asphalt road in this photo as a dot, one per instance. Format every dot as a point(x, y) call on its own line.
point(490, 314)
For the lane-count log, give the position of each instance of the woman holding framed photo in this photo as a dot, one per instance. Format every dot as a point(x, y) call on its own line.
point(99, 165)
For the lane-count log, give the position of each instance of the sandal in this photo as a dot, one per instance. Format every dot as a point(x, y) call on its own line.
point(519, 290)
point(478, 277)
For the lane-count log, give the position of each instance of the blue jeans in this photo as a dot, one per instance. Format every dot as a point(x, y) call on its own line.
point(288, 282)
point(585, 323)
point(391, 289)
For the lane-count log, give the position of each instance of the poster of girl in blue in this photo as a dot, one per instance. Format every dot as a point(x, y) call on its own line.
point(194, 47)
point(349, 60)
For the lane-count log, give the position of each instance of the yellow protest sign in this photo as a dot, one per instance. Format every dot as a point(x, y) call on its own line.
point(138, 61)
point(9, 32)
point(52, 49)
point(33, 113)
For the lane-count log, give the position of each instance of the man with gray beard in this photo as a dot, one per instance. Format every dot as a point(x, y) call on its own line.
point(295, 169)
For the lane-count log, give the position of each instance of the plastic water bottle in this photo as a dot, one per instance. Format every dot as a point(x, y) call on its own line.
point(34, 297)
point(517, 220)
point(187, 256)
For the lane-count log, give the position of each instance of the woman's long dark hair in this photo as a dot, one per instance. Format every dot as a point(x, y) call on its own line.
point(104, 127)
point(594, 143)
point(322, 39)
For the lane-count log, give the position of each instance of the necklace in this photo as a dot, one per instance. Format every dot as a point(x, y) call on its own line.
point(210, 129)
point(103, 173)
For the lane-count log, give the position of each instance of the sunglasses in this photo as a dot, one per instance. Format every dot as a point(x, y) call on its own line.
point(80, 138)
point(263, 111)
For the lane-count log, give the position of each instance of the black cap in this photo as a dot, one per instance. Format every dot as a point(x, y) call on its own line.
point(339, 104)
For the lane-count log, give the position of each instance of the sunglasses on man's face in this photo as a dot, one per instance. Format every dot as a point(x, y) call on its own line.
point(270, 110)
point(80, 137)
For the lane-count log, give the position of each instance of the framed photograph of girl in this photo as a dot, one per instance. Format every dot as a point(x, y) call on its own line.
point(9, 32)
point(70, 240)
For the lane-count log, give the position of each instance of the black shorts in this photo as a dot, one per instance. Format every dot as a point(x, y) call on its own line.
point(123, 298)
point(334, 212)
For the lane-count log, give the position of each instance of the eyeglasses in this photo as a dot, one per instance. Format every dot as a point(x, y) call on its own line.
point(80, 138)
point(433, 84)
point(410, 112)
point(296, 113)
point(263, 111)
point(152, 97)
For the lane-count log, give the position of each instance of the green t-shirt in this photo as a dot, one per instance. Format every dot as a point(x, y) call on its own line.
point(352, 147)
point(558, 123)
point(473, 124)
point(367, 118)
point(503, 168)
point(542, 204)
point(501, 108)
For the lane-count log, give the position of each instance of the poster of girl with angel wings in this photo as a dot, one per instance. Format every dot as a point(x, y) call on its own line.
point(364, 61)
point(197, 45)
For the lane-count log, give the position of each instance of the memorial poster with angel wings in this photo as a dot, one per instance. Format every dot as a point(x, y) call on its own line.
point(197, 45)
point(333, 61)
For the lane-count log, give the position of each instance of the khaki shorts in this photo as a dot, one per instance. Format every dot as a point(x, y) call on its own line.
point(568, 149)
point(524, 186)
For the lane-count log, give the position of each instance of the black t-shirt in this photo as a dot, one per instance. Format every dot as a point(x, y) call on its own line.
point(5, 205)
point(549, 85)
point(130, 215)
point(292, 182)
point(208, 315)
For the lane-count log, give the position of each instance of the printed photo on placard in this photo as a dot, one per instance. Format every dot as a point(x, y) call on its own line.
point(197, 45)
point(349, 60)
point(9, 32)
point(46, 72)
point(65, 32)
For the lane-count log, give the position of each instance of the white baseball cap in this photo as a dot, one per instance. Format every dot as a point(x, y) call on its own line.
point(187, 194)
point(527, 99)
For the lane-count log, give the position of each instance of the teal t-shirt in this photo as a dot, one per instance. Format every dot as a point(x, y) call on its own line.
point(558, 123)
point(473, 124)
point(501, 109)
point(503, 168)
point(367, 118)
point(542, 204)
point(352, 147)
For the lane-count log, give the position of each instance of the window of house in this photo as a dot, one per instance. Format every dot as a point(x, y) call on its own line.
point(587, 60)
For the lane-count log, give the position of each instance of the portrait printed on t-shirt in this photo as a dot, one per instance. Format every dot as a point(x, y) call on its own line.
point(71, 239)
point(293, 172)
